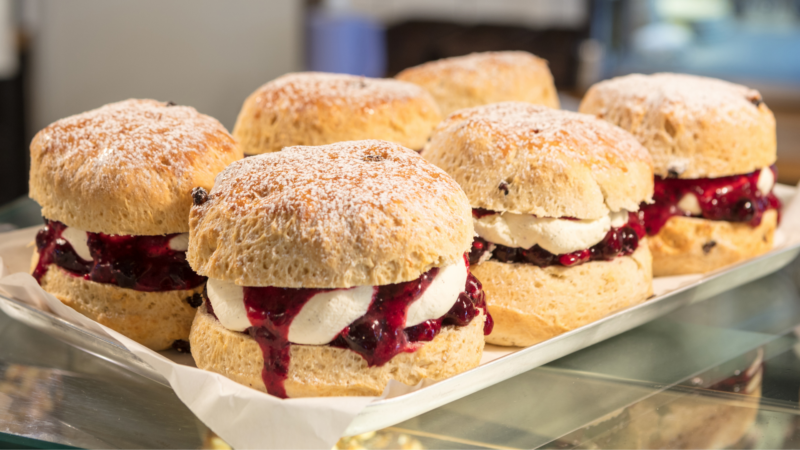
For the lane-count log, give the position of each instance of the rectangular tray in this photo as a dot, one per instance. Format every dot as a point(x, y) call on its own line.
point(387, 412)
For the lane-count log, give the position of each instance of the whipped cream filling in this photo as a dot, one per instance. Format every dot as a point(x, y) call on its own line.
point(765, 183)
point(557, 236)
point(179, 243)
point(440, 296)
point(690, 204)
point(78, 239)
point(326, 314)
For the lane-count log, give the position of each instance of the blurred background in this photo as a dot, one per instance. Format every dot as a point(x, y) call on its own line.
point(59, 58)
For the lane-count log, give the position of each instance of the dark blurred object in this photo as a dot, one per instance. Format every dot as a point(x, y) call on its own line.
point(416, 41)
point(13, 154)
point(13, 145)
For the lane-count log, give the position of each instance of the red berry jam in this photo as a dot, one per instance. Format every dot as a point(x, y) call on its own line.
point(378, 336)
point(736, 383)
point(142, 263)
point(733, 199)
point(622, 241)
point(479, 212)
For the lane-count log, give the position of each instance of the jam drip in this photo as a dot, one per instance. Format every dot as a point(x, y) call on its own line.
point(142, 263)
point(378, 336)
point(738, 382)
point(271, 311)
point(622, 241)
point(733, 199)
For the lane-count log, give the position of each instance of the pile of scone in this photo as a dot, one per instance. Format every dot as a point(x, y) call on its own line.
point(385, 229)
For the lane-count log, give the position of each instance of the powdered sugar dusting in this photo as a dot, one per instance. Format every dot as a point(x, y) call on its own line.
point(685, 97)
point(140, 135)
point(345, 205)
point(551, 135)
point(334, 183)
point(485, 64)
point(297, 91)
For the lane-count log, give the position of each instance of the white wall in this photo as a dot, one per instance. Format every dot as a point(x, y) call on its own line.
point(204, 53)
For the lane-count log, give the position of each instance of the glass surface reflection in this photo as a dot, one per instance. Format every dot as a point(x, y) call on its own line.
point(685, 380)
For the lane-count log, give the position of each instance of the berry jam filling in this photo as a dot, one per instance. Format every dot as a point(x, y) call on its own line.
point(142, 263)
point(733, 199)
point(479, 212)
point(738, 382)
point(378, 336)
point(622, 241)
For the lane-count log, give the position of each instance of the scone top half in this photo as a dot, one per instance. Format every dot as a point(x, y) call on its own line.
point(311, 108)
point(483, 78)
point(713, 145)
point(115, 188)
point(543, 180)
point(128, 167)
point(694, 127)
point(362, 242)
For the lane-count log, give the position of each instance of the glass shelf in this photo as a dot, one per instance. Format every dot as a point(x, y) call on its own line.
point(649, 387)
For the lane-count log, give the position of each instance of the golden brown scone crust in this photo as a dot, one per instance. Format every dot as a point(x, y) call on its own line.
point(694, 126)
point(694, 245)
point(348, 214)
point(325, 371)
point(553, 163)
point(323, 108)
point(153, 319)
point(127, 168)
point(482, 78)
point(530, 304)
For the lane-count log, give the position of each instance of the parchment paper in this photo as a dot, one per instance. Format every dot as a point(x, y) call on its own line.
point(244, 417)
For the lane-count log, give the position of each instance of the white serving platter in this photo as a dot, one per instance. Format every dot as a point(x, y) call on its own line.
point(499, 363)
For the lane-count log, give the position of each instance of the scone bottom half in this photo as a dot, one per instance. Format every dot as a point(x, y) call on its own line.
point(546, 276)
point(140, 286)
point(699, 225)
point(385, 322)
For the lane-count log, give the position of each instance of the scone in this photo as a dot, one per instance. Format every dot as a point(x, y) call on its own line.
point(555, 196)
point(333, 269)
point(115, 186)
point(713, 146)
point(482, 78)
point(311, 108)
point(704, 413)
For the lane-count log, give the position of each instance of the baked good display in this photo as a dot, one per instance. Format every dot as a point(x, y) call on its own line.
point(703, 413)
point(482, 78)
point(115, 186)
point(713, 145)
point(333, 269)
point(555, 196)
point(310, 108)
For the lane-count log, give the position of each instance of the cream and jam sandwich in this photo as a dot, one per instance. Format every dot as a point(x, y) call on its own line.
point(311, 108)
point(483, 78)
point(554, 198)
point(115, 185)
point(333, 269)
point(713, 146)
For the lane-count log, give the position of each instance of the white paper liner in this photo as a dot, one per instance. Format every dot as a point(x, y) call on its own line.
point(244, 417)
